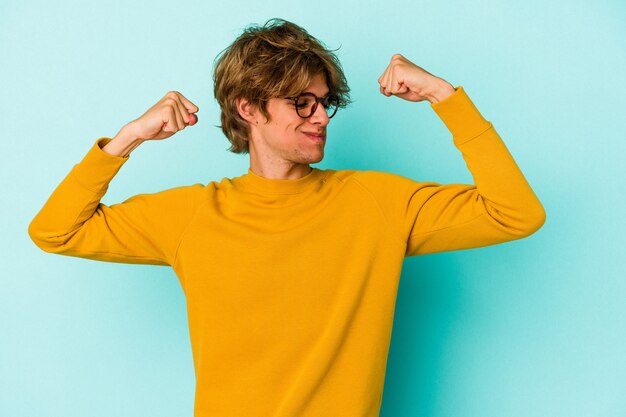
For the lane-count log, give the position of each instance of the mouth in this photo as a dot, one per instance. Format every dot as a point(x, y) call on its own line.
point(316, 137)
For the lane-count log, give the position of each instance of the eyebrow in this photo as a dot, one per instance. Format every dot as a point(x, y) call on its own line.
point(324, 96)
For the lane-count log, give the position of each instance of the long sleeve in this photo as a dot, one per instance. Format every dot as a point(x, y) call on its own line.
point(144, 229)
point(432, 217)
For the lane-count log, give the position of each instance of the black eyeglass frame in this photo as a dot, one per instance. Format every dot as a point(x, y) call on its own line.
point(324, 100)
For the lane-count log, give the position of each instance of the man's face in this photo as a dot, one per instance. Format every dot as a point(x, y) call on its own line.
point(284, 140)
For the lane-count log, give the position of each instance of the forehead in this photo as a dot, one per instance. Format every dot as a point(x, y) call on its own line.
point(318, 86)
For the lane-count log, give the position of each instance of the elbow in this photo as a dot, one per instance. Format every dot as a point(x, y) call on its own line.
point(40, 238)
point(535, 218)
point(521, 222)
point(36, 236)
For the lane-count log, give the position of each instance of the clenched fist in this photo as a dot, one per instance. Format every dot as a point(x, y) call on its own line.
point(404, 79)
point(169, 115)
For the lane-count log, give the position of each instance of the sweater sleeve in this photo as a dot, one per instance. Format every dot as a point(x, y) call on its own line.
point(432, 217)
point(144, 229)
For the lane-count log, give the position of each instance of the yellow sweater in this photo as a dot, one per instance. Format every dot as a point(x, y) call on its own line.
point(291, 284)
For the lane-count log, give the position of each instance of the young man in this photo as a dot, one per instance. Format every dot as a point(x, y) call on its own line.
point(290, 272)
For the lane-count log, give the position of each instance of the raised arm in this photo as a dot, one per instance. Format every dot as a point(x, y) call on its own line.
point(145, 228)
point(432, 217)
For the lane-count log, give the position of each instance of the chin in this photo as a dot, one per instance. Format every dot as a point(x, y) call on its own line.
point(316, 160)
point(309, 158)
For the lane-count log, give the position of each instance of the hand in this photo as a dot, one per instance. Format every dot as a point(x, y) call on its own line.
point(171, 114)
point(406, 80)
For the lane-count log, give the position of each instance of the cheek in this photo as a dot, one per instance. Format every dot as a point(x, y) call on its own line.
point(287, 123)
point(292, 126)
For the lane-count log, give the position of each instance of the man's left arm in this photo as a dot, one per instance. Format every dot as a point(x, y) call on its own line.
point(501, 206)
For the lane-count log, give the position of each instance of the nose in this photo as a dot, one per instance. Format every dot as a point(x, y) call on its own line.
point(319, 115)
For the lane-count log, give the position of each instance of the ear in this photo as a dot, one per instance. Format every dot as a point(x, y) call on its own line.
point(247, 110)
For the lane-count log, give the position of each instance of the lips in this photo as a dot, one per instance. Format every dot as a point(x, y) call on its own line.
point(316, 135)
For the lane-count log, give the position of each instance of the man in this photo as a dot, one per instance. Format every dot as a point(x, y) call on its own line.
point(290, 272)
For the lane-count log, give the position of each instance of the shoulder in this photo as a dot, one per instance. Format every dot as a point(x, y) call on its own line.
point(180, 191)
point(362, 176)
point(182, 197)
point(382, 186)
point(383, 180)
point(386, 186)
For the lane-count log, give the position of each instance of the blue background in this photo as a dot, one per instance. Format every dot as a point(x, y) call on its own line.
point(535, 327)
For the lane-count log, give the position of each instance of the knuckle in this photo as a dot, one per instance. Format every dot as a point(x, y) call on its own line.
point(172, 94)
point(170, 101)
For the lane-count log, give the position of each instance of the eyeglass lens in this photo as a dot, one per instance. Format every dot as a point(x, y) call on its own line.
point(306, 102)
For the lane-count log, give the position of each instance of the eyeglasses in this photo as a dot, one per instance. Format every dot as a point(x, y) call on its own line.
point(306, 104)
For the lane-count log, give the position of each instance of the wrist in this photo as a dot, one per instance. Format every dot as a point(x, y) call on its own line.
point(123, 143)
point(441, 90)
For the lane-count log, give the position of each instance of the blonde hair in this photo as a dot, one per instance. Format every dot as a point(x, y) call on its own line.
point(278, 59)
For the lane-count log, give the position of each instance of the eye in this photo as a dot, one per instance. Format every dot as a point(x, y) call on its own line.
point(304, 101)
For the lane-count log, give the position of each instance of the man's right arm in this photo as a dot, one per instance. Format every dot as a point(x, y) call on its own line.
point(145, 228)
point(123, 143)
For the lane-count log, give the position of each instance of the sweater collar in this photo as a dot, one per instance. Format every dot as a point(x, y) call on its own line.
point(261, 185)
